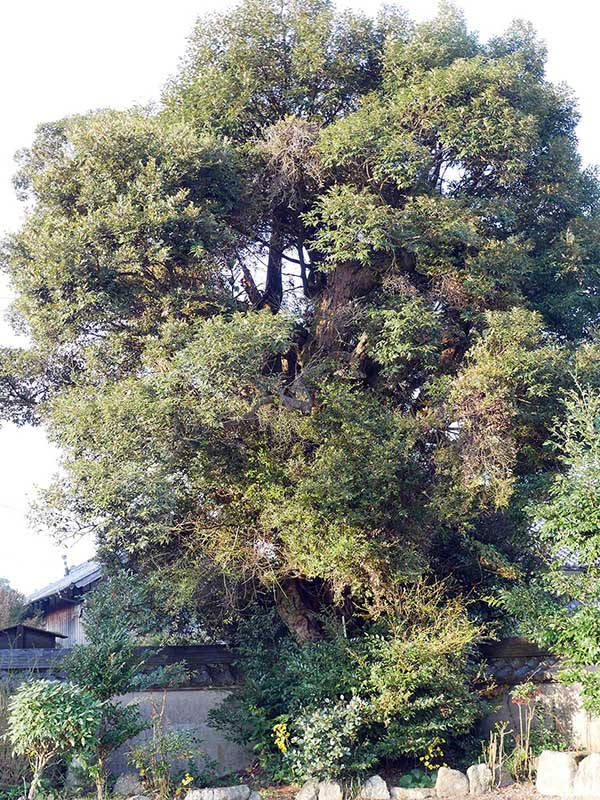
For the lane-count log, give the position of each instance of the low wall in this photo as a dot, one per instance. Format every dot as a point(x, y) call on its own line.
point(514, 661)
point(561, 708)
point(188, 708)
point(213, 676)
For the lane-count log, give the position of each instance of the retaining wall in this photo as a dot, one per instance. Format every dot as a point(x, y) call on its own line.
point(184, 709)
point(514, 661)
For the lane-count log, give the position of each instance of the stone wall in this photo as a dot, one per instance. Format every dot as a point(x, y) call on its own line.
point(515, 661)
point(509, 671)
point(561, 708)
point(213, 676)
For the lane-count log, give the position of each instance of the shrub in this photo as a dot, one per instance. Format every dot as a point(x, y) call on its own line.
point(14, 769)
point(417, 779)
point(558, 609)
point(408, 680)
point(328, 740)
point(49, 720)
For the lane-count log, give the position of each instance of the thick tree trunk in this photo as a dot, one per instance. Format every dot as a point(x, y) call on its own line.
point(273, 294)
point(345, 284)
point(294, 607)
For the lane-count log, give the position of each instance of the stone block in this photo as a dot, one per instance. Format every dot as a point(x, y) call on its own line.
point(330, 790)
point(375, 788)
point(128, 784)
point(451, 783)
point(418, 793)
point(503, 778)
point(587, 777)
point(309, 791)
point(556, 773)
point(241, 792)
point(480, 779)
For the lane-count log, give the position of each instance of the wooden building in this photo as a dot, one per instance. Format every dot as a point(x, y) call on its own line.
point(28, 637)
point(59, 605)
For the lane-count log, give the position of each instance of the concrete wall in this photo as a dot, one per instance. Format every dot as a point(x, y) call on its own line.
point(562, 709)
point(188, 708)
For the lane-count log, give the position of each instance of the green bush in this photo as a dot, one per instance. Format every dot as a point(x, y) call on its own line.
point(116, 618)
point(328, 740)
point(49, 720)
point(14, 769)
point(558, 608)
point(417, 779)
point(406, 683)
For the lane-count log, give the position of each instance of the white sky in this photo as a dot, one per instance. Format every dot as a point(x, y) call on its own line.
point(68, 56)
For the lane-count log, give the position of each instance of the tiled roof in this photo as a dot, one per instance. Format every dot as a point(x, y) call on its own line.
point(208, 665)
point(569, 560)
point(11, 628)
point(31, 659)
point(78, 577)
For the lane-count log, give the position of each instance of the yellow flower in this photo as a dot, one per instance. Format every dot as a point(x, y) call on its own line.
point(281, 736)
point(433, 755)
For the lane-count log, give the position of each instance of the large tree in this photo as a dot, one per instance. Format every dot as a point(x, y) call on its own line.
point(12, 604)
point(301, 332)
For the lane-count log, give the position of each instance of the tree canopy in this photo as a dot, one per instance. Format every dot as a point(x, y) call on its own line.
point(12, 604)
point(301, 331)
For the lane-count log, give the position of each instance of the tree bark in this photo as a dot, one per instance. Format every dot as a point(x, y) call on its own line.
point(35, 780)
point(294, 607)
point(101, 779)
point(273, 294)
point(250, 287)
point(345, 284)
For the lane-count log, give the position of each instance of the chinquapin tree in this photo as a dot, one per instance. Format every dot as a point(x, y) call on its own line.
point(301, 332)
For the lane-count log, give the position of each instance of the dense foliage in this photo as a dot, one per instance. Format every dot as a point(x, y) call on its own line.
point(49, 720)
point(301, 332)
point(14, 769)
point(12, 604)
point(400, 690)
point(110, 665)
point(559, 606)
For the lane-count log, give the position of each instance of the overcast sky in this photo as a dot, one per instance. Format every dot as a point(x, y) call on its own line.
point(60, 57)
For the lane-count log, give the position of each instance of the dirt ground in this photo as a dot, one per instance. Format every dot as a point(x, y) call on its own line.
point(518, 791)
point(279, 792)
